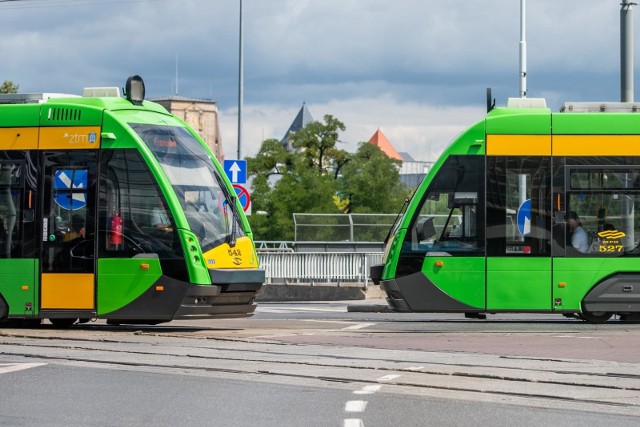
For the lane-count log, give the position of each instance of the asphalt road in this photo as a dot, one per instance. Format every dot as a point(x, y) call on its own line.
point(318, 364)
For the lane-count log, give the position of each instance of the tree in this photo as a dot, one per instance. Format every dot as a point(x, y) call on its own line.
point(317, 142)
point(314, 178)
point(9, 87)
point(371, 182)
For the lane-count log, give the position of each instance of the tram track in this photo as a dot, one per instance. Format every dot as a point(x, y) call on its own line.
point(272, 353)
point(608, 388)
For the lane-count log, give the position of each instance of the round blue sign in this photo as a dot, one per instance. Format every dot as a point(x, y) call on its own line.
point(524, 218)
point(64, 181)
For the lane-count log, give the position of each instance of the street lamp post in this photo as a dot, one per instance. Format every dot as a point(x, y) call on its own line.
point(240, 86)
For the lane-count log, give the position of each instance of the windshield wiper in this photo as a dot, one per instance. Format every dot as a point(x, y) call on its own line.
point(231, 238)
point(235, 216)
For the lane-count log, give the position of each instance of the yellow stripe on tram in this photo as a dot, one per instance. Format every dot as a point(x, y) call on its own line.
point(19, 138)
point(596, 145)
point(518, 145)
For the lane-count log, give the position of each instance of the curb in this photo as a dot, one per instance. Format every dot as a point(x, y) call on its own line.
point(368, 308)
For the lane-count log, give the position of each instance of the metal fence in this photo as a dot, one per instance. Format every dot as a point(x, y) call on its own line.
point(342, 227)
point(294, 267)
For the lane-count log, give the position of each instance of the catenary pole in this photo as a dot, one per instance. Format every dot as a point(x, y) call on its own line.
point(523, 50)
point(626, 51)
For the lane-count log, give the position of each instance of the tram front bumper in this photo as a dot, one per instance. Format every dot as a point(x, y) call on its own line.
point(231, 294)
point(395, 299)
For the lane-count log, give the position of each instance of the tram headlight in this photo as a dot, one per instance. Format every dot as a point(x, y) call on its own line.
point(134, 90)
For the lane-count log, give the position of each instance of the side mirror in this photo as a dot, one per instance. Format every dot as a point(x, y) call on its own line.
point(425, 229)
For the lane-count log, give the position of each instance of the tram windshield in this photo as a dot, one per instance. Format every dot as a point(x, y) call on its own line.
point(196, 182)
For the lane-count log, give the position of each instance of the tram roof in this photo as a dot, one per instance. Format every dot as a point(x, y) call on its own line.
point(574, 118)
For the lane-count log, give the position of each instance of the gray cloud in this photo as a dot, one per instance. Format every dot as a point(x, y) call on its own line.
point(426, 54)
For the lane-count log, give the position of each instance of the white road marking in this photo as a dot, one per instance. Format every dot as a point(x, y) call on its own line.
point(358, 326)
point(573, 336)
point(413, 368)
point(5, 368)
point(388, 377)
point(342, 322)
point(296, 309)
point(355, 406)
point(368, 389)
point(353, 422)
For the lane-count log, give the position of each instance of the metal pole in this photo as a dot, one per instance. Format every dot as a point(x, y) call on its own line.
point(523, 50)
point(240, 86)
point(626, 51)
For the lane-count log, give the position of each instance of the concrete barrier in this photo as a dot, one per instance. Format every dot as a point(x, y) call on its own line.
point(307, 292)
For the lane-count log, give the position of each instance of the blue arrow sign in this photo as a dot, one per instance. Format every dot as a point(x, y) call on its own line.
point(236, 170)
point(64, 182)
point(524, 218)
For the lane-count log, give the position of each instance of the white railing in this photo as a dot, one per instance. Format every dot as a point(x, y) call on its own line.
point(303, 267)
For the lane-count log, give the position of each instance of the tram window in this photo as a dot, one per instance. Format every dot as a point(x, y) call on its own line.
point(451, 216)
point(131, 201)
point(611, 179)
point(610, 220)
point(604, 194)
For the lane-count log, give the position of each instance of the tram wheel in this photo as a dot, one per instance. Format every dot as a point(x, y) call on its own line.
point(62, 323)
point(596, 316)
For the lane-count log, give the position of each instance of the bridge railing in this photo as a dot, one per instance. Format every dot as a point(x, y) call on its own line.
point(321, 267)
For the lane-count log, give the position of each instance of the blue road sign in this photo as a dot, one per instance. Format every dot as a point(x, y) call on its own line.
point(243, 196)
point(64, 182)
point(524, 218)
point(236, 170)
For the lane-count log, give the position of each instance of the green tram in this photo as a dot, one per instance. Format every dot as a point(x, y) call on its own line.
point(112, 208)
point(526, 211)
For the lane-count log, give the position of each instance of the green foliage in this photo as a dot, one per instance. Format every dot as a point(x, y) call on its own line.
point(372, 180)
point(310, 179)
point(317, 144)
point(9, 87)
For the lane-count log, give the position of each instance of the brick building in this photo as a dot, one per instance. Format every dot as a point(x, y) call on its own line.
point(201, 115)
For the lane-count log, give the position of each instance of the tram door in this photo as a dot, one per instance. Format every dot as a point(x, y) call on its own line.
point(67, 231)
point(518, 233)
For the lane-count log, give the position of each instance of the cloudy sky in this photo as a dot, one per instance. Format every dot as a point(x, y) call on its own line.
point(417, 69)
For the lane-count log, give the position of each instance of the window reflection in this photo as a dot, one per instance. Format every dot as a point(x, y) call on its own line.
point(133, 216)
point(196, 182)
point(451, 217)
